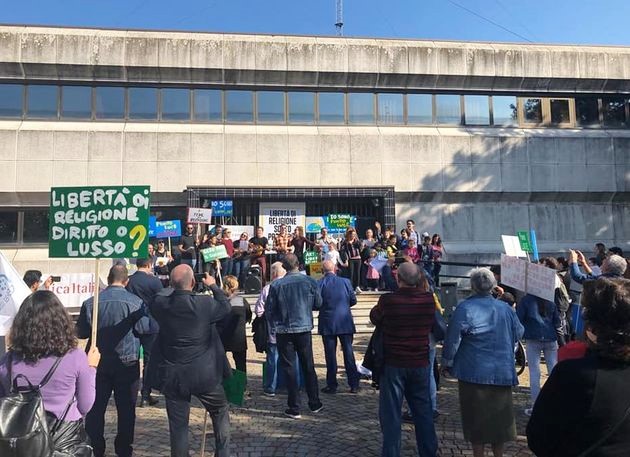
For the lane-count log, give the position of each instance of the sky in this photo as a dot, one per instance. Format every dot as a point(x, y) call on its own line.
point(543, 21)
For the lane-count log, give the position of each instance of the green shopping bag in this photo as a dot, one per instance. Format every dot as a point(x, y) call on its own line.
point(234, 387)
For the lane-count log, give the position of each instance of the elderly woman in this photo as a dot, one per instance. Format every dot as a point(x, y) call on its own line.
point(479, 352)
point(584, 407)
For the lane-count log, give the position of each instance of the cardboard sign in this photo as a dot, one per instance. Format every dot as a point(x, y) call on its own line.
point(222, 208)
point(316, 270)
point(513, 272)
point(314, 224)
point(512, 246)
point(199, 215)
point(311, 257)
point(99, 222)
point(338, 223)
point(214, 253)
point(168, 229)
point(152, 220)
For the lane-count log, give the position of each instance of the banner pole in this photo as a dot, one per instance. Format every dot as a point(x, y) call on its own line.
point(169, 246)
point(220, 276)
point(97, 284)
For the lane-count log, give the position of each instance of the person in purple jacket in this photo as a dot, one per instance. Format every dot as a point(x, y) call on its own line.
point(42, 333)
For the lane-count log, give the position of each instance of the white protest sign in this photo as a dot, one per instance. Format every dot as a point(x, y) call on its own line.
point(512, 246)
point(237, 230)
point(13, 291)
point(513, 272)
point(541, 281)
point(273, 215)
point(199, 215)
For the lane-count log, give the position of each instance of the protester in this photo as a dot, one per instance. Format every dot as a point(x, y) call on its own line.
point(33, 278)
point(290, 306)
point(187, 247)
point(281, 242)
point(479, 352)
point(372, 275)
point(335, 322)
point(151, 254)
point(146, 285)
point(298, 243)
point(241, 259)
point(191, 359)
point(411, 231)
point(613, 266)
point(369, 241)
point(233, 332)
point(333, 255)
point(270, 383)
point(412, 251)
point(324, 239)
point(584, 407)
point(543, 331)
point(121, 316)
point(351, 247)
point(257, 245)
point(406, 318)
point(163, 259)
point(404, 239)
point(438, 254)
point(600, 253)
point(226, 241)
point(43, 343)
point(426, 255)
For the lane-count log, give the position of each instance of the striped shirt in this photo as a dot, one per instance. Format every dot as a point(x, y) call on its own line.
point(406, 318)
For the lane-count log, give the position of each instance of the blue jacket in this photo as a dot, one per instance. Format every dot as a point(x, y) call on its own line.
point(579, 277)
point(335, 317)
point(479, 344)
point(121, 317)
point(146, 286)
point(291, 302)
point(537, 327)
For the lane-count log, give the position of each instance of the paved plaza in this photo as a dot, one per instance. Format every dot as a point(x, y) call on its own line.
point(347, 426)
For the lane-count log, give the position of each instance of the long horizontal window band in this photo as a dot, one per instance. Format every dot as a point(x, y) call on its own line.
point(295, 107)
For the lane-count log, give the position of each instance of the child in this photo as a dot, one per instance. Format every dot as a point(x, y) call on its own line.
point(412, 251)
point(372, 274)
point(334, 256)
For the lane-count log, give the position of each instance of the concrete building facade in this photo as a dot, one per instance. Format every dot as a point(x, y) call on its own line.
point(478, 165)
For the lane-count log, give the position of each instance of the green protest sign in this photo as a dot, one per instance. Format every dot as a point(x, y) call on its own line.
point(311, 257)
point(99, 222)
point(523, 239)
point(338, 223)
point(214, 253)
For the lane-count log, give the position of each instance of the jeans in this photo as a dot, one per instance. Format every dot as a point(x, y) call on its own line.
point(178, 411)
point(146, 341)
point(271, 373)
point(239, 268)
point(226, 266)
point(432, 383)
point(330, 351)
point(533, 349)
point(413, 383)
point(123, 381)
point(301, 343)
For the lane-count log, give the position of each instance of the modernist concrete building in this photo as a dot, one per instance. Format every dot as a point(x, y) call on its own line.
point(472, 140)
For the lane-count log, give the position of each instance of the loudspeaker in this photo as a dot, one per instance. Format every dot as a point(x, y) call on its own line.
point(253, 282)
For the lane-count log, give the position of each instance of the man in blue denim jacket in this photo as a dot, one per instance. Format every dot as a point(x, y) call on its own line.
point(289, 307)
point(122, 317)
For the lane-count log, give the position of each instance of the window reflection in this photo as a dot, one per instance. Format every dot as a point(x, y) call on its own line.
point(360, 108)
point(11, 100)
point(477, 109)
point(8, 226)
point(207, 105)
point(448, 109)
point(331, 110)
point(390, 109)
point(419, 109)
point(239, 106)
point(614, 111)
point(586, 111)
point(110, 103)
point(42, 101)
point(76, 102)
point(35, 226)
point(301, 107)
point(176, 104)
point(532, 110)
point(270, 107)
point(143, 103)
point(560, 111)
point(504, 110)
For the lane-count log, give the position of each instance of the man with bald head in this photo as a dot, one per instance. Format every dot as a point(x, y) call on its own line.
point(189, 357)
point(335, 322)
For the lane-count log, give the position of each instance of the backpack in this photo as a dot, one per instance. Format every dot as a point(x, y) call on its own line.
point(24, 429)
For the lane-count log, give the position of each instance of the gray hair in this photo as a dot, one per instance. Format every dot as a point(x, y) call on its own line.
point(615, 265)
point(328, 266)
point(408, 274)
point(482, 281)
point(277, 270)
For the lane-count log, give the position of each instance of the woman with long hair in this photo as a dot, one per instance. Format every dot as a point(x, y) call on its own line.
point(42, 340)
point(351, 247)
point(233, 333)
point(438, 253)
point(299, 241)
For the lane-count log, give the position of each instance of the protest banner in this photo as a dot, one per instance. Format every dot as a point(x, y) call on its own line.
point(13, 291)
point(199, 215)
point(311, 257)
point(74, 288)
point(316, 271)
point(168, 229)
point(273, 215)
point(152, 220)
point(314, 224)
point(512, 246)
point(338, 223)
point(513, 272)
point(214, 253)
point(222, 208)
point(523, 239)
point(541, 281)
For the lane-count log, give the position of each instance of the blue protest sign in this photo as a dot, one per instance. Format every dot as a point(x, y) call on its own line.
point(222, 208)
point(532, 236)
point(152, 220)
point(168, 229)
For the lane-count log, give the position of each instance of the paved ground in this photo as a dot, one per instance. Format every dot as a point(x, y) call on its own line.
point(348, 425)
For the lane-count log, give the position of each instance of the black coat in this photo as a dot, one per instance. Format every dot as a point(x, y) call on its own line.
point(232, 330)
point(188, 356)
point(580, 402)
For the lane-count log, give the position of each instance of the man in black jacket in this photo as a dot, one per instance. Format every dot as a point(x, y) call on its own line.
point(189, 358)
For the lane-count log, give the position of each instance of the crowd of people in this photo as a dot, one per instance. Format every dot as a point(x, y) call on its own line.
point(187, 329)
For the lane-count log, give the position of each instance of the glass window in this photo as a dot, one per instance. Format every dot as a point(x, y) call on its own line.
point(207, 105)
point(76, 102)
point(532, 110)
point(331, 110)
point(559, 111)
point(361, 108)
point(390, 108)
point(175, 104)
point(614, 111)
point(270, 107)
point(35, 226)
point(239, 106)
point(504, 110)
point(8, 226)
point(143, 103)
point(11, 100)
point(42, 101)
point(301, 107)
point(477, 109)
point(448, 109)
point(110, 103)
point(419, 109)
point(586, 111)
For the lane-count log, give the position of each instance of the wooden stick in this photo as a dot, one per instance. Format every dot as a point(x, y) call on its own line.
point(205, 430)
point(170, 249)
point(97, 287)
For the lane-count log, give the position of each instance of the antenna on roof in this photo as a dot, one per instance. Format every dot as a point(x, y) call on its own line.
point(339, 23)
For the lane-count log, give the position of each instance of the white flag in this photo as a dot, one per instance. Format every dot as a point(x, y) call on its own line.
point(13, 291)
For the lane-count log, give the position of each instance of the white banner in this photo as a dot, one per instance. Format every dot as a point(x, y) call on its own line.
point(74, 288)
point(273, 215)
point(13, 291)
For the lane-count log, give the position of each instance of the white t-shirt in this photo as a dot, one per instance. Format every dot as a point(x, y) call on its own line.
point(333, 256)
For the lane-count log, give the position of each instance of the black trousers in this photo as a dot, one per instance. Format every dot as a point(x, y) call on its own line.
point(288, 345)
point(147, 342)
point(123, 380)
point(240, 360)
point(355, 272)
point(178, 411)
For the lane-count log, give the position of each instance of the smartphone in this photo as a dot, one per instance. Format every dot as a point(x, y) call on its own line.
point(56, 278)
point(199, 277)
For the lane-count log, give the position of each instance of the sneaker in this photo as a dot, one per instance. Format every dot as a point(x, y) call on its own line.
point(528, 411)
point(292, 414)
point(317, 408)
point(269, 393)
point(329, 390)
point(358, 290)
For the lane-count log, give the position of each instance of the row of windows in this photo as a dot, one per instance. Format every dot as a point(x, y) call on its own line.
point(305, 108)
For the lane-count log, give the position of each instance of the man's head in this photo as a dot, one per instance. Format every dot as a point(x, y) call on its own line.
point(328, 266)
point(290, 263)
point(227, 234)
point(482, 281)
point(283, 229)
point(144, 264)
point(616, 250)
point(369, 233)
point(118, 275)
point(277, 270)
point(614, 265)
point(426, 234)
point(324, 232)
point(32, 278)
point(391, 240)
point(410, 224)
point(408, 275)
point(260, 232)
point(426, 240)
point(189, 229)
point(182, 277)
